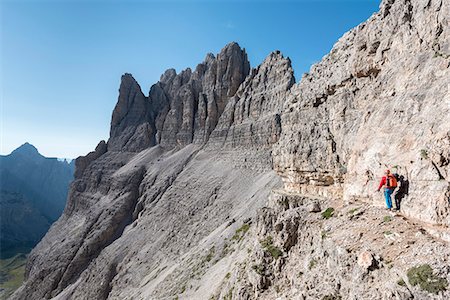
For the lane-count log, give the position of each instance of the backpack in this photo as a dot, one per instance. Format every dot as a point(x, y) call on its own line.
point(391, 182)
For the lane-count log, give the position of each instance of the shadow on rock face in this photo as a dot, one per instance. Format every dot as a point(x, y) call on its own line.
point(402, 190)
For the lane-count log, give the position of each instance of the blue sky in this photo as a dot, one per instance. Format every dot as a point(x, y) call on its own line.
point(61, 61)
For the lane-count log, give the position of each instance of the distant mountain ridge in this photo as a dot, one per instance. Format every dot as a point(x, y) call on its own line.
point(33, 192)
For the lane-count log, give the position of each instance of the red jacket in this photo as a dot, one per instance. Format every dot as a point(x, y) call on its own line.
point(383, 182)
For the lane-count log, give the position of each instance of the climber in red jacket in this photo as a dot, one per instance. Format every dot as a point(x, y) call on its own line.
point(389, 183)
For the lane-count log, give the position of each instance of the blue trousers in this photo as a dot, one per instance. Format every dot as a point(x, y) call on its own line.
point(387, 195)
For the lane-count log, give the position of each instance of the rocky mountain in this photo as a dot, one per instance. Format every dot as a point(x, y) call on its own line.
point(234, 183)
point(33, 192)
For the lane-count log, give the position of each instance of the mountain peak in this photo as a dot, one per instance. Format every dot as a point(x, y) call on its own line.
point(27, 149)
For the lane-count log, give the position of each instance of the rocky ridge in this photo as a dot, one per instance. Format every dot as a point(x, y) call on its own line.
point(181, 108)
point(184, 199)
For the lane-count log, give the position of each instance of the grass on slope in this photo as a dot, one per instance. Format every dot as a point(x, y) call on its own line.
point(424, 277)
point(11, 274)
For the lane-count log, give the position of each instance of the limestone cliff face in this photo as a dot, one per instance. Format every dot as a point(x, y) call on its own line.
point(211, 184)
point(380, 99)
point(132, 124)
point(252, 117)
point(181, 108)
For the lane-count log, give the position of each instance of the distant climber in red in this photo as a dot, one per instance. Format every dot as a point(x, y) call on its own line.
point(389, 183)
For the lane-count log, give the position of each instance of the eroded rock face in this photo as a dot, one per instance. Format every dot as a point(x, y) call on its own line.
point(197, 99)
point(181, 108)
point(100, 205)
point(252, 117)
point(132, 125)
point(82, 162)
point(379, 100)
point(168, 207)
point(354, 254)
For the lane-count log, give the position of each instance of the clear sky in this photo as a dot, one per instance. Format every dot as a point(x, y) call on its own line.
point(61, 61)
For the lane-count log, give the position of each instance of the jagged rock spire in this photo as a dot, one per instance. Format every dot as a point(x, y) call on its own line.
point(180, 106)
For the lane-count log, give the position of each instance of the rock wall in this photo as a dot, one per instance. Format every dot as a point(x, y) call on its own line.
point(253, 116)
point(181, 108)
point(380, 99)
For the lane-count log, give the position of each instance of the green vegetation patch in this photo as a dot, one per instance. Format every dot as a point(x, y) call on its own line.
point(352, 211)
point(328, 213)
point(259, 269)
point(423, 277)
point(225, 249)
point(268, 246)
point(229, 295)
point(424, 153)
point(240, 232)
point(312, 264)
point(387, 219)
point(401, 282)
point(210, 254)
point(12, 272)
